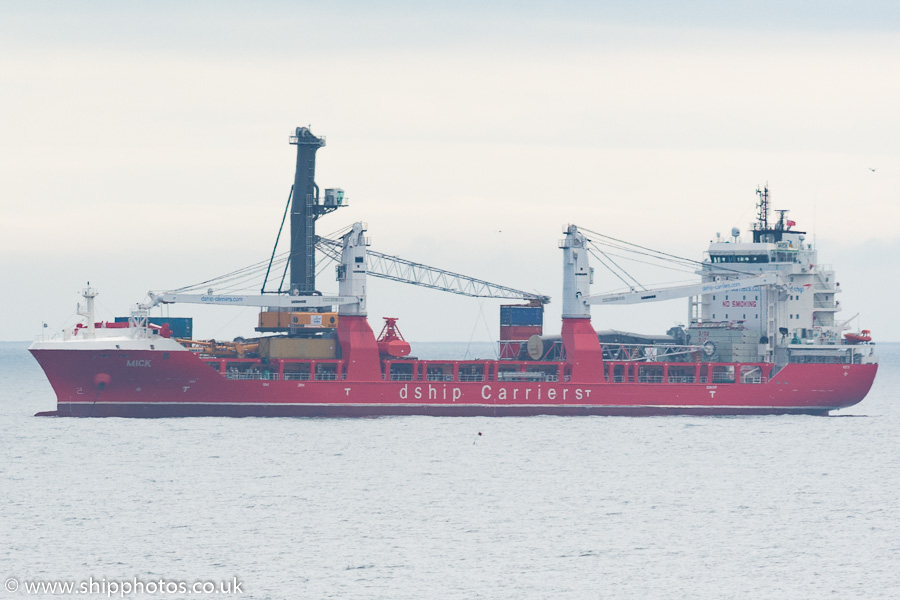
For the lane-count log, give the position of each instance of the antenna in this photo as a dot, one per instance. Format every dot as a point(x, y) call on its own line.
point(763, 217)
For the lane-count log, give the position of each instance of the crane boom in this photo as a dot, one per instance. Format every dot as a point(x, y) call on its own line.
point(267, 301)
point(683, 291)
point(395, 268)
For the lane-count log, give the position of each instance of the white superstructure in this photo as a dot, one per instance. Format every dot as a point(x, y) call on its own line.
point(797, 314)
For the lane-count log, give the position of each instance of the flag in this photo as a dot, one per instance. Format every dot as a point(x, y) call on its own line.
point(791, 223)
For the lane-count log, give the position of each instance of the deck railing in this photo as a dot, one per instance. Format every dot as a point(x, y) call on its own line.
point(438, 377)
point(302, 376)
point(251, 375)
point(471, 377)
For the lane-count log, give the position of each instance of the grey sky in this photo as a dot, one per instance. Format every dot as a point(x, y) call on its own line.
point(145, 146)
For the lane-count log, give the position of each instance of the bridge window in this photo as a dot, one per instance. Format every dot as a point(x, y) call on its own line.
point(740, 258)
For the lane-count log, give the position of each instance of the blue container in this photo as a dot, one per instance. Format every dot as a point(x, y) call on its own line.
point(513, 314)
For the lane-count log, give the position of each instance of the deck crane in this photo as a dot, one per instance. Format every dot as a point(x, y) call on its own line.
point(355, 263)
point(394, 268)
point(304, 311)
point(577, 297)
point(683, 291)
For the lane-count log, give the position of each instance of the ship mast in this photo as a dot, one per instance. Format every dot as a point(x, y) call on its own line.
point(88, 294)
point(763, 206)
point(762, 232)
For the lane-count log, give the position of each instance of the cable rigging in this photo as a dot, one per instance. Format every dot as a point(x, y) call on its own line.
point(663, 259)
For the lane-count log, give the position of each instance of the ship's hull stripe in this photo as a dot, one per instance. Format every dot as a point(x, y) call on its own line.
point(459, 405)
point(253, 409)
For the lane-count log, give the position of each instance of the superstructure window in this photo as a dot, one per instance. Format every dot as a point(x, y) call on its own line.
point(739, 258)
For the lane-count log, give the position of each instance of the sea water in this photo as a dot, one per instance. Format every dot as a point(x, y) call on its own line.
point(423, 507)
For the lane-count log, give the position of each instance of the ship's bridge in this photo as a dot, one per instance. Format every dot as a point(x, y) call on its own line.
point(728, 252)
point(789, 250)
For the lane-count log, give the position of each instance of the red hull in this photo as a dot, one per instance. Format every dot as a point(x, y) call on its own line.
point(145, 383)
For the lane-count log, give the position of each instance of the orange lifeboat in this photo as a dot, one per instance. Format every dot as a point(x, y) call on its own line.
point(862, 337)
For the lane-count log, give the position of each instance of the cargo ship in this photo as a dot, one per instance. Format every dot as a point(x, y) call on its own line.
point(762, 338)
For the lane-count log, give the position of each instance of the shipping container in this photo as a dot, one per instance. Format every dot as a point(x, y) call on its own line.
point(519, 314)
point(182, 327)
point(291, 347)
point(519, 332)
point(273, 320)
point(314, 319)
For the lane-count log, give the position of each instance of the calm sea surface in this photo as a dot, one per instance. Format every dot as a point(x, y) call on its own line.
point(421, 507)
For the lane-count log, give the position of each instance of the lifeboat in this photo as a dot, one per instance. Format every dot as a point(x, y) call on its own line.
point(861, 337)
